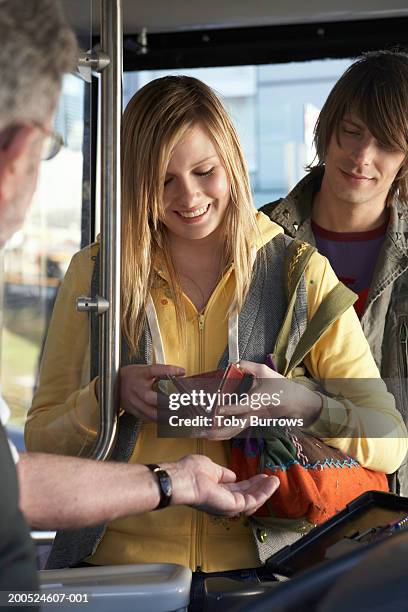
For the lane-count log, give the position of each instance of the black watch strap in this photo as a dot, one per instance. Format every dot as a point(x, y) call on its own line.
point(165, 485)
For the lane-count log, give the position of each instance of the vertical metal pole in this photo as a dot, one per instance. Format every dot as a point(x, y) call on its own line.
point(111, 112)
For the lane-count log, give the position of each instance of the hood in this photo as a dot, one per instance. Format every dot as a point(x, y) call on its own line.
point(267, 230)
point(293, 210)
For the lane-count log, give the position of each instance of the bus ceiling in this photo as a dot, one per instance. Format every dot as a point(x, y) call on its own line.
point(157, 17)
point(216, 33)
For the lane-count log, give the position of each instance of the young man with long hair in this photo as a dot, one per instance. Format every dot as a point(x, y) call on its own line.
point(353, 205)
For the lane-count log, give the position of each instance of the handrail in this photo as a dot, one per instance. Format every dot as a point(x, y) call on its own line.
point(109, 328)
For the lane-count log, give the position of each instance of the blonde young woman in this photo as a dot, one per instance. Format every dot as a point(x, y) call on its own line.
point(202, 284)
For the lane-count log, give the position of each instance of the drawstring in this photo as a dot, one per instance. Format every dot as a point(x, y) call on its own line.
point(153, 323)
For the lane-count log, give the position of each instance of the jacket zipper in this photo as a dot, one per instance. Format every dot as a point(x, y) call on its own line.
point(200, 342)
point(403, 338)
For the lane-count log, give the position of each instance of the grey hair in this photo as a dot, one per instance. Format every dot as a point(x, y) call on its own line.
point(37, 47)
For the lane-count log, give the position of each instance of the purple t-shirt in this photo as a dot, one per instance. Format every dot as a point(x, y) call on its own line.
point(352, 256)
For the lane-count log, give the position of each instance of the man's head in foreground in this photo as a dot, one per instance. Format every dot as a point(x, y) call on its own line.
point(37, 48)
point(361, 135)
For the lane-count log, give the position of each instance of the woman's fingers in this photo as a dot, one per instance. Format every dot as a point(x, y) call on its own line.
point(136, 390)
point(149, 398)
point(160, 370)
point(142, 404)
point(257, 369)
point(260, 370)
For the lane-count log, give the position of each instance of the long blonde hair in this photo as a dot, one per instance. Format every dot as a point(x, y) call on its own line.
point(154, 121)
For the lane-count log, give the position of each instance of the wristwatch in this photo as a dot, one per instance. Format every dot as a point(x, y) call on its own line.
point(165, 485)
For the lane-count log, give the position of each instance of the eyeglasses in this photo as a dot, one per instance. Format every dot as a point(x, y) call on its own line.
point(53, 142)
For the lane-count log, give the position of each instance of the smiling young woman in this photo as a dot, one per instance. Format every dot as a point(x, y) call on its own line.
point(177, 160)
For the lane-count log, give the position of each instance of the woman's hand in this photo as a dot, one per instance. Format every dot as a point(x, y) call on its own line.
point(136, 388)
point(287, 398)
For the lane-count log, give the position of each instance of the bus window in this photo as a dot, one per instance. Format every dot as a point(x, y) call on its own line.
point(274, 108)
point(36, 258)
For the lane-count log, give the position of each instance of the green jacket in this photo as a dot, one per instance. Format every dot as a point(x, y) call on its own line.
point(385, 318)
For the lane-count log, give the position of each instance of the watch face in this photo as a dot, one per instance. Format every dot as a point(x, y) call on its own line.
point(165, 485)
point(166, 488)
point(165, 482)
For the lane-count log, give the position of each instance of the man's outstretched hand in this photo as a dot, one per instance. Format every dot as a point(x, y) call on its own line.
point(205, 485)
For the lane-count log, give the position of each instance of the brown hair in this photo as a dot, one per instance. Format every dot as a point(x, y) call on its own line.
point(155, 120)
point(375, 87)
